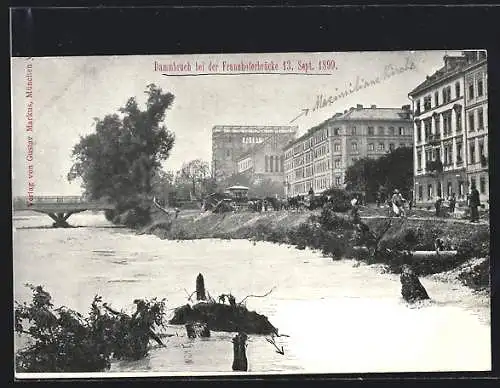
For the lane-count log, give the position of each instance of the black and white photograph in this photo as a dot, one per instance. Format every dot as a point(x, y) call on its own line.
point(251, 214)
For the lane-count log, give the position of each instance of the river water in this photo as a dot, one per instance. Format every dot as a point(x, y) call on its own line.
point(340, 317)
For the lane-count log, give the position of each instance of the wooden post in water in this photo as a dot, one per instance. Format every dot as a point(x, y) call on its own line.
point(200, 288)
point(239, 352)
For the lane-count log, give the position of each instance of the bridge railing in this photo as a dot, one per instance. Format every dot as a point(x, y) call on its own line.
point(53, 199)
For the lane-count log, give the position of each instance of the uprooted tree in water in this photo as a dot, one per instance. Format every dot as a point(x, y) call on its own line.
point(219, 316)
point(63, 340)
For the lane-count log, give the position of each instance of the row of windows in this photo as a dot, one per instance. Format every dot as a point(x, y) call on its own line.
point(322, 183)
point(323, 150)
point(322, 166)
point(446, 119)
point(391, 131)
point(476, 86)
point(477, 154)
point(252, 140)
point(444, 99)
point(323, 135)
point(472, 120)
point(274, 163)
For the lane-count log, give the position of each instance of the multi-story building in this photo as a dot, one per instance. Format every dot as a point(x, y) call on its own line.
point(441, 131)
point(476, 116)
point(239, 148)
point(319, 158)
point(265, 160)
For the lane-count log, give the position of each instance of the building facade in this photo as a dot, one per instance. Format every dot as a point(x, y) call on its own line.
point(444, 144)
point(237, 149)
point(476, 113)
point(319, 158)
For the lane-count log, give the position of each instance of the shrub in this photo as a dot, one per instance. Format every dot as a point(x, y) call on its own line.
point(65, 341)
point(339, 200)
point(477, 276)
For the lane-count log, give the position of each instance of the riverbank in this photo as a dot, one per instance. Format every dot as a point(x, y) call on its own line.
point(335, 236)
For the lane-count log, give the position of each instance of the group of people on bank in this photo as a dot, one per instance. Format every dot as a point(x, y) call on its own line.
point(397, 204)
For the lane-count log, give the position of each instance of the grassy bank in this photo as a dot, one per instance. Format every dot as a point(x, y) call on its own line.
point(382, 241)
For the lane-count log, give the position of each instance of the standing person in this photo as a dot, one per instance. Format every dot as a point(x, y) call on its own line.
point(474, 203)
point(453, 203)
point(355, 210)
point(437, 205)
point(397, 203)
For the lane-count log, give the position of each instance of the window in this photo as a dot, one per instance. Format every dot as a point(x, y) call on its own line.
point(336, 131)
point(446, 94)
point(417, 109)
point(401, 131)
point(457, 90)
point(449, 189)
point(447, 123)
point(277, 164)
point(436, 98)
point(482, 185)
point(391, 147)
point(448, 156)
point(354, 146)
point(472, 153)
point(338, 180)
point(391, 131)
point(459, 153)
point(371, 147)
point(337, 163)
point(371, 131)
point(481, 149)
point(479, 87)
point(267, 164)
point(353, 131)
point(380, 130)
point(419, 160)
point(458, 116)
point(471, 121)
point(419, 132)
point(336, 147)
point(471, 91)
point(271, 160)
point(427, 103)
point(427, 128)
point(437, 124)
point(420, 193)
point(473, 181)
point(430, 194)
point(480, 118)
point(381, 146)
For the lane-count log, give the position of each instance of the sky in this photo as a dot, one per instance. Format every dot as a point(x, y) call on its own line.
point(69, 92)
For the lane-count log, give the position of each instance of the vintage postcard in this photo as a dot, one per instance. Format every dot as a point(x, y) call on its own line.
point(220, 214)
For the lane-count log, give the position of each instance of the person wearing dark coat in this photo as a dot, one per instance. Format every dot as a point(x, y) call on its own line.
point(474, 203)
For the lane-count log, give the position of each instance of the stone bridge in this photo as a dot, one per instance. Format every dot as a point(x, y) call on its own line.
point(59, 208)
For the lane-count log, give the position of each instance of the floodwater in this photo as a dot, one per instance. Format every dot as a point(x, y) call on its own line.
point(340, 317)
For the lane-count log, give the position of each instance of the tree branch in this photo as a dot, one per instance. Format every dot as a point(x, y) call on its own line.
point(257, 296)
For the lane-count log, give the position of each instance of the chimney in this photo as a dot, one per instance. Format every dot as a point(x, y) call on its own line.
point(452, 62)
point(373, 107)
point(359, 106)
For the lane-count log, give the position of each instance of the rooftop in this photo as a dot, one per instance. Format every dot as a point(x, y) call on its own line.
point(359, 113)
point(254, 128)
point(453, 65)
